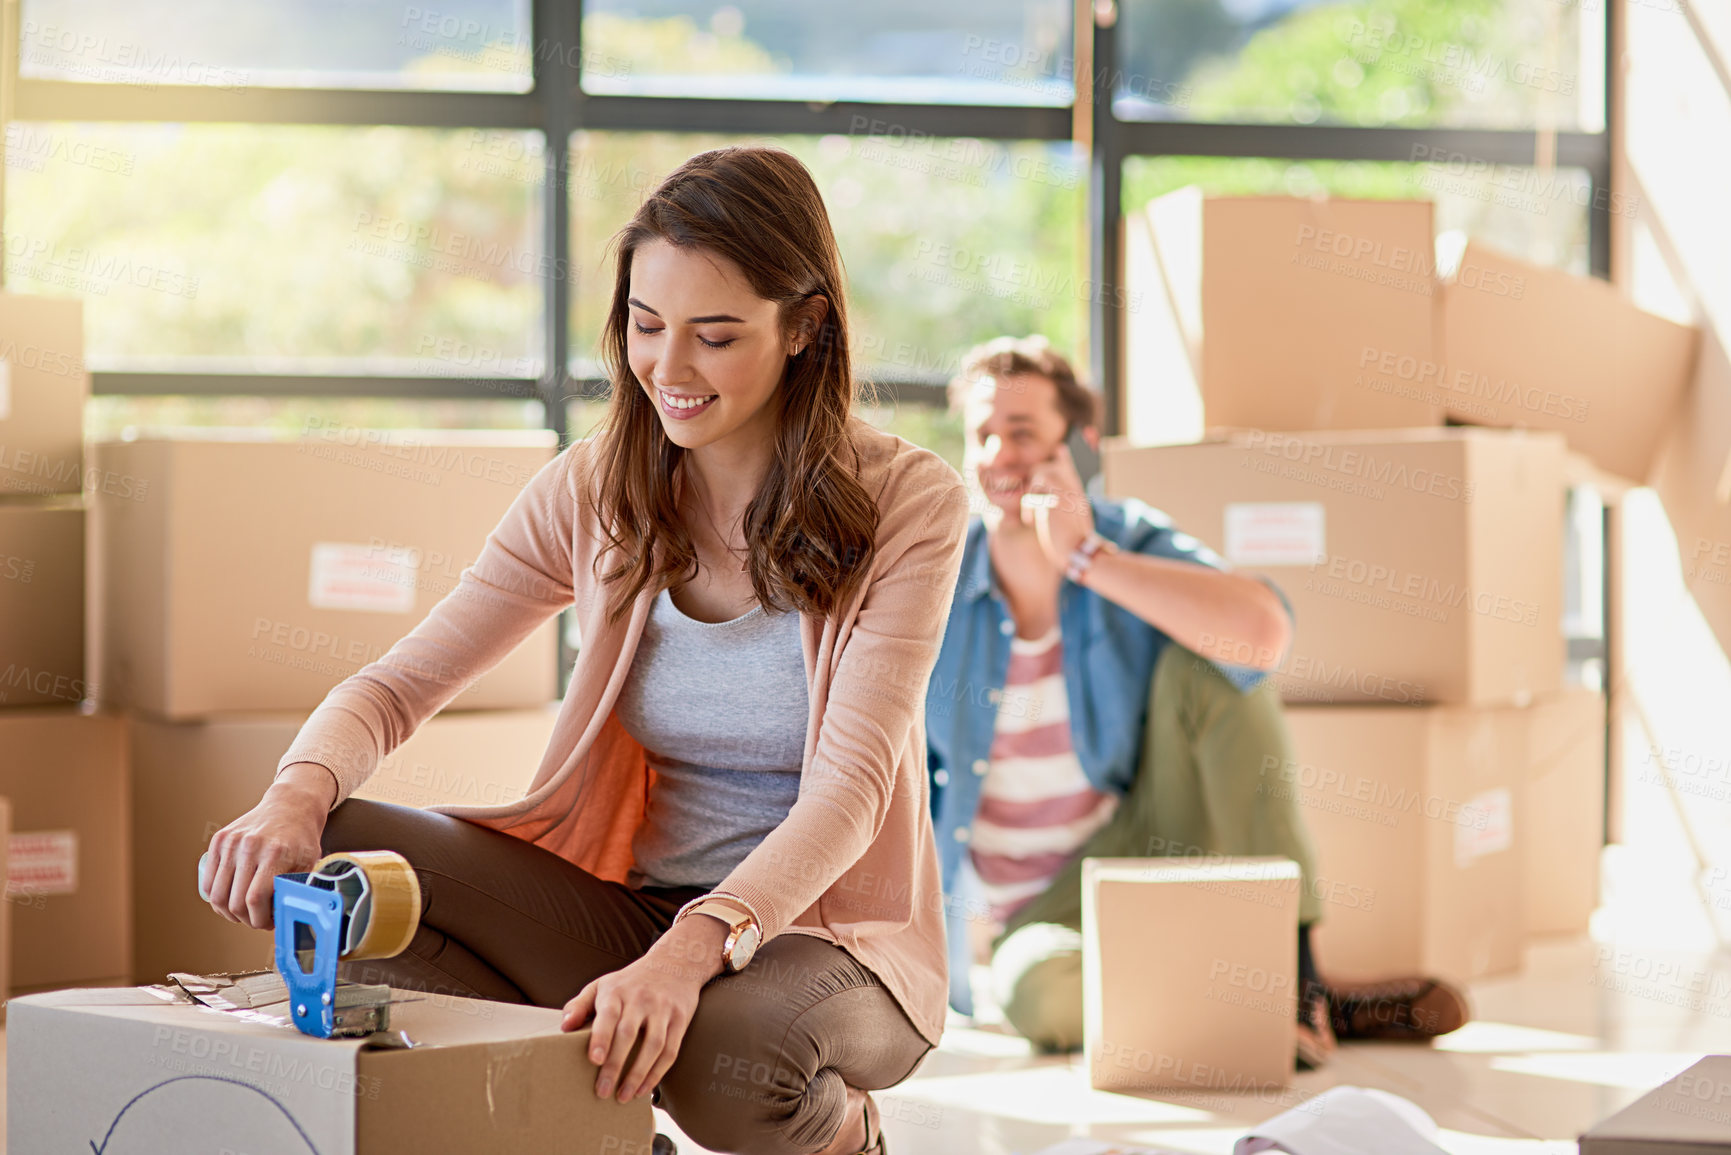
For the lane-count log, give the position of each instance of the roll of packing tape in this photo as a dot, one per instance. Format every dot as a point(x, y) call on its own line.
point(383, 897)
point(202, 892)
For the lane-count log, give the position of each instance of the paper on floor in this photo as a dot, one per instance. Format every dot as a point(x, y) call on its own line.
point(1103, 1147)
point(1340, 1121)
point(1346, 1121)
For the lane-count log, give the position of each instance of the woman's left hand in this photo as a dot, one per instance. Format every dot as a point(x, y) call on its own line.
point(652, 999)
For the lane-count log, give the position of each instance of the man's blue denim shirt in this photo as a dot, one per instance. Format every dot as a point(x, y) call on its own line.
point(1109, 656)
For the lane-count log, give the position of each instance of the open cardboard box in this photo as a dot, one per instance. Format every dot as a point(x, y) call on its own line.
point(144, 1070)
point(1535, 347)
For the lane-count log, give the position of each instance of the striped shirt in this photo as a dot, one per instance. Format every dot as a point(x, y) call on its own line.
point(1037, 807)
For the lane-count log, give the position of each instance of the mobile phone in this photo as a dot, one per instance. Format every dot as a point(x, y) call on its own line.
point(1086, 459)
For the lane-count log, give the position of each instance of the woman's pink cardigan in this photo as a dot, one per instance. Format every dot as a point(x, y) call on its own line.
point(854, 861)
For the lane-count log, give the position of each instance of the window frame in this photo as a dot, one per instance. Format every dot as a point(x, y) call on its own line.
point(557, 106)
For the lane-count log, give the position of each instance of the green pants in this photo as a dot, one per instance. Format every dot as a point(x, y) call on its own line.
point(1204, 787)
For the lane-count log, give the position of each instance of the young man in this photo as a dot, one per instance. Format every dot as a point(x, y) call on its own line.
point(1070, 715)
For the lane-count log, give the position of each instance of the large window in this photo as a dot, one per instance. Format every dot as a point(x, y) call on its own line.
point(387, 225)
point(284, 249)
point(455, 45)
point(397, 213)
point(895, 51)
point(947, 241)
point(1463, 63)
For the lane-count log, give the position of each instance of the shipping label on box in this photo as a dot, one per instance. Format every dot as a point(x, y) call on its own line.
point(1486, 826)
point(43, 862)
point(1276, 533)
point(361, 577)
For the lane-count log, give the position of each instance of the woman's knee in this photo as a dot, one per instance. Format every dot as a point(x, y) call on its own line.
point(354, 821)
point(756, 1071)
point(363, 824)
point(733, 1088)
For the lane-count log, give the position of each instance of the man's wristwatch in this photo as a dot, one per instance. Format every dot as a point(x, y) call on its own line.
point(743, 934)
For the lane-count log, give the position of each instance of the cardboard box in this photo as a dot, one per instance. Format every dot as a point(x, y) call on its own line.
point(1189, 972)
point(5, 907)
point(43, 387)
point(65, 775)
point(190, 779)
point(1272, 312)
point(1693, 482)
point(1564, 789)
point(126, 1072)
point(42, 602)
point(1415, 813)
point(1685, 1116)
point(239, 575)
point(1422, 565)
point(1524, 345)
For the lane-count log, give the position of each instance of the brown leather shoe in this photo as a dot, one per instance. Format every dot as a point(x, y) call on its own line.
point(1315, 1037)
point(1412, 1009)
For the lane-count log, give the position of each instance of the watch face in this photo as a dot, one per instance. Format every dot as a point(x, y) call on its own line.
point(743, 948)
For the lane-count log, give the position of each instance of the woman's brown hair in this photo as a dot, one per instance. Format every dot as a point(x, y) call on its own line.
point(810, 531)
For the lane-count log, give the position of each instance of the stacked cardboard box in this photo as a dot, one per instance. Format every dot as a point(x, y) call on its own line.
point(1292, 364)
point(1293, 314)
point(63, 768)
point(241, 572)
point(43, 387)
point(1422, 565)
point(193, 778)
point(65, 774)
point(237, 578)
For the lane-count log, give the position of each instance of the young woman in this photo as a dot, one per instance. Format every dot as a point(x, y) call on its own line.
point(761, 581)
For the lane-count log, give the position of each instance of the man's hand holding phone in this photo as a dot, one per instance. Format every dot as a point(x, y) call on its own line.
point(1056, 505)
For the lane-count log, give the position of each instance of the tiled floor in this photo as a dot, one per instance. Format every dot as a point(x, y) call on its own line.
point(1582, 1031)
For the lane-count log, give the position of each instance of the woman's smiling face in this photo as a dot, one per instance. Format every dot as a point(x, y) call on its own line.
point(706, 349)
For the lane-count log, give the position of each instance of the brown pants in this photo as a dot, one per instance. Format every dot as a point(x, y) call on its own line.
point(766, 1061)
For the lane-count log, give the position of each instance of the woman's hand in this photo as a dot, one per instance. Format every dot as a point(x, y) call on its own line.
point(652, 999)
point(280, 834)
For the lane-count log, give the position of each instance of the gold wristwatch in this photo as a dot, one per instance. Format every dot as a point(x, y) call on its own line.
point(743, 934)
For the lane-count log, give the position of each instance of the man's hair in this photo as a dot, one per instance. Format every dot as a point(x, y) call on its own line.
point(1004, 357)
